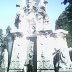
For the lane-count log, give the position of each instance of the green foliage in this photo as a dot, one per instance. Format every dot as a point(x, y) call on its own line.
point(62, 22)
point(1, 32)
point(65, 21)
point(69, 9)
point(1, 46)
point(67, 1)
point(1, 36)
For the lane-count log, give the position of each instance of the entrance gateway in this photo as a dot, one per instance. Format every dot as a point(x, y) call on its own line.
point(35, 44)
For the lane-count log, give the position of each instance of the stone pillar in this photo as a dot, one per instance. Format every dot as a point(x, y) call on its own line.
point(32, 52)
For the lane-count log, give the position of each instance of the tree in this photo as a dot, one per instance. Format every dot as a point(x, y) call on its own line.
point(1, 32)
point(67, 1)
point(65, 21)
point(62, 22)
point(1, 46)
point(68, 9)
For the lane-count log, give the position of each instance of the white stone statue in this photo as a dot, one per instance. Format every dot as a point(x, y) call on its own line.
point(61, 44)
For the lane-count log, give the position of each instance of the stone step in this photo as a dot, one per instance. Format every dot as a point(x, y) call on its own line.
point(15, 70)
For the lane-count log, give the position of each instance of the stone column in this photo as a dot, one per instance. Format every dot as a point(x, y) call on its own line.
point(32, 52)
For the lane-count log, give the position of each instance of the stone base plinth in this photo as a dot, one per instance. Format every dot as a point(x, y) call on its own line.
point(15, 70)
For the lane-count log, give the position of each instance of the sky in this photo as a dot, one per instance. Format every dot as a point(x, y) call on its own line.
point(8, 12)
